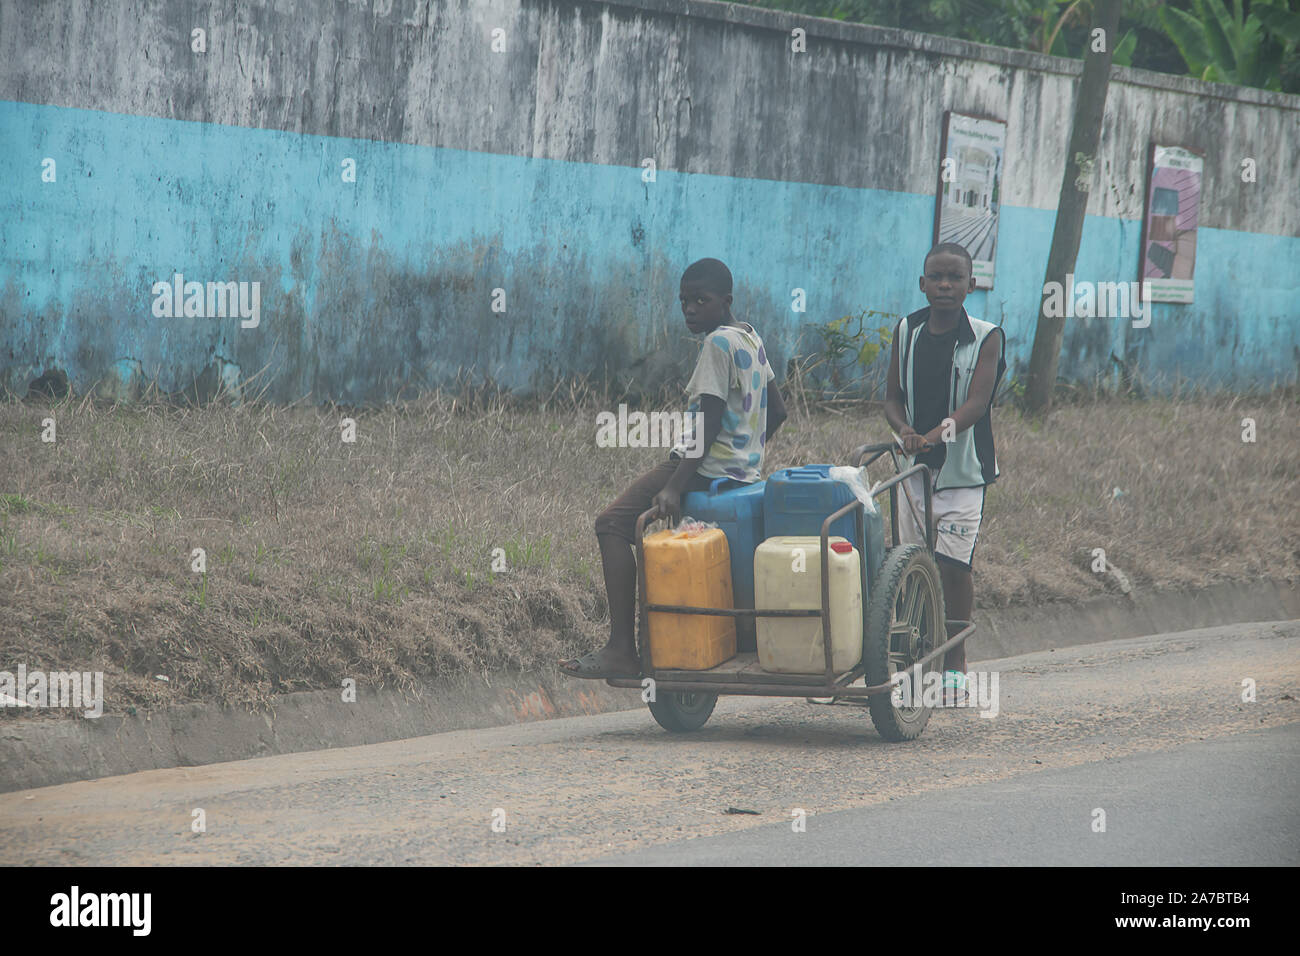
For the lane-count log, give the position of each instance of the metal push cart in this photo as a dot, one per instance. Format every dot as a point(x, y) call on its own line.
point(903, 629)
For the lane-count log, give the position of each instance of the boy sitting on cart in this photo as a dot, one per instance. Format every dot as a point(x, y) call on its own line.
point(730, 386)
point(938, 401)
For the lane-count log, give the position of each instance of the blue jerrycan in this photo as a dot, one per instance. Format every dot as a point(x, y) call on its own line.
point(737, 509)
point(797, 500)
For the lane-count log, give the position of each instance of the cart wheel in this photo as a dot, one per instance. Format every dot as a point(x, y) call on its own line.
point(682, 713)
point(905, 621)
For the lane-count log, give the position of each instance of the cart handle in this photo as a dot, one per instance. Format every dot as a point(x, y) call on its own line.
point(875, 451)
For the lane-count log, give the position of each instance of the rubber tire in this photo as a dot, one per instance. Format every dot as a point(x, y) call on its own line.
point(673, 713)
point(892, 723)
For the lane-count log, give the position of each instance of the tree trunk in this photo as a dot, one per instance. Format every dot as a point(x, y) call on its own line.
point(1089, 108)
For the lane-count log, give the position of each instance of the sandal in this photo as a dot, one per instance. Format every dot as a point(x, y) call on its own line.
point(954, 689)
point(590, 666)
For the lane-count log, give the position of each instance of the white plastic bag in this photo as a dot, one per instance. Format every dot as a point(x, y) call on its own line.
point(855, 479)
point(693, 528)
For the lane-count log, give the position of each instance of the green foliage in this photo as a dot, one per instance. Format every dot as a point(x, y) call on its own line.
point(384, 586)
point(1021, 24)
point(525, 554)
point(842, 338)
point(1253, 45)
point(1013, 391)
point(15, 504)
point(1125, 48)
point(200, 594)
point(1233, 46)
point(847, 348)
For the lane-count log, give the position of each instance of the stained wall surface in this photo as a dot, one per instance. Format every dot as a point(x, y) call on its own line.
point(514, 161)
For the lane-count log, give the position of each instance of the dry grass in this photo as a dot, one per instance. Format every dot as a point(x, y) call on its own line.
point(373, 560)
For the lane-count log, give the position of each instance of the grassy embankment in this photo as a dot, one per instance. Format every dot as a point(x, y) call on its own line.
point(373, 560)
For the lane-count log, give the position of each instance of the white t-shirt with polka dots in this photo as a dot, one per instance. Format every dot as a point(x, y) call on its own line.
point(732, 366)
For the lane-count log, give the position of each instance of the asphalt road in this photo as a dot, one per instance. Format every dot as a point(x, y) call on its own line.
point(1154, 731)
point(1224, 802)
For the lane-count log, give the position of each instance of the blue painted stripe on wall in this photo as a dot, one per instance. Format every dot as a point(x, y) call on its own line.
point(385, 282)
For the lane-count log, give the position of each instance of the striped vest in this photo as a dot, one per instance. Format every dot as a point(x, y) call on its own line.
point(969, 461)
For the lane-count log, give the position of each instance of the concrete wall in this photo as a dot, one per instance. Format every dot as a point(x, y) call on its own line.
point(521, 170)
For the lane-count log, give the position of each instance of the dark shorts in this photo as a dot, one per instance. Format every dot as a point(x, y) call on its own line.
point(620, 517)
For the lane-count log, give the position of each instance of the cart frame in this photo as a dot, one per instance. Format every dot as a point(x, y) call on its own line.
point(825, 684)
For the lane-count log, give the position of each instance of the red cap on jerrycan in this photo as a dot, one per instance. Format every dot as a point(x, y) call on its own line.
point(841, 547)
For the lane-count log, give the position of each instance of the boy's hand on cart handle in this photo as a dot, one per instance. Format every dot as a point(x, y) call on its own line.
point(668, 504)
point(911, 442)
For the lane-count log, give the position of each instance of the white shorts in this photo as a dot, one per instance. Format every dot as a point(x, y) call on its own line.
point(957, 516)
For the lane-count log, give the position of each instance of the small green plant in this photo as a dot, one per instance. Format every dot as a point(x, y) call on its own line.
point(847, 348)
point(848, 336)
point(200, 595)
point(1014, 389)
point(16, 504)
point(384, 586)
point(523, 554)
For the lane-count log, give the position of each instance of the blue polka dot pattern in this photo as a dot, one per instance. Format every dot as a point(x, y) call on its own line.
point(743, 377)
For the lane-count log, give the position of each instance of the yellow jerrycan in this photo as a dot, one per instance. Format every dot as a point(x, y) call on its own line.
point(693, 569)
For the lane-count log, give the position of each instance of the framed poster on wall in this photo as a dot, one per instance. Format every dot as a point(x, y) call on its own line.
point(970, 188)
point(1169, 226)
